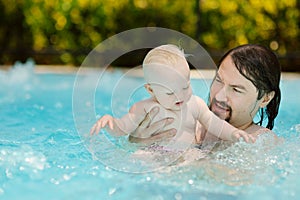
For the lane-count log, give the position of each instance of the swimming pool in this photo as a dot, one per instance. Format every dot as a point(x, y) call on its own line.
point(43, 156)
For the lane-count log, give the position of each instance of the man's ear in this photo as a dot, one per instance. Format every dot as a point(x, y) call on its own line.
point(149, 89)
point(267, 98)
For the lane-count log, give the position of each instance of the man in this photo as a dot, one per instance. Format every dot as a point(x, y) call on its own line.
point(246, 83)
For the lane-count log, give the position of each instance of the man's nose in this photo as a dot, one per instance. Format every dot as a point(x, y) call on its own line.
point(221, 95)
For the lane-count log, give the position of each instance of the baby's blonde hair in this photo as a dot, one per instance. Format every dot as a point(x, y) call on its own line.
point(168, 55)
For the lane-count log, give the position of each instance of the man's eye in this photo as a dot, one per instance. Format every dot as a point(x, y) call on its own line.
point(237, 90)
point(169, 93)
point(218, 80)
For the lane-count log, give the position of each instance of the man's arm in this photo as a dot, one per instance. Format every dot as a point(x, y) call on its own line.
point(148, 132)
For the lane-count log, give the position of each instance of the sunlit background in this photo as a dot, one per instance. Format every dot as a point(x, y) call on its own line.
point(65, 31)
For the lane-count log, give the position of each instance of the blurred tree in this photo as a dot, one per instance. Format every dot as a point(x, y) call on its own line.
point(228, 23)
point(15, 39)
point(68, 27)
point(65, 31)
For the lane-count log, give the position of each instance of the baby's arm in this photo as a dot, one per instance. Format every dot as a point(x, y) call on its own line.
point(118, 127)
point(219, 127)
point(115, 126)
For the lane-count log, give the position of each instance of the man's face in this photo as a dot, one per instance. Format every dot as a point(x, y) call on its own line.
point(232, 96)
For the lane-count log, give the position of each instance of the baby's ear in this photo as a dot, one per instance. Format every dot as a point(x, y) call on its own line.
point(148, 88)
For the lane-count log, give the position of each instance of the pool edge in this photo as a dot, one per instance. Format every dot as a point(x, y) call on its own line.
point(135, 71)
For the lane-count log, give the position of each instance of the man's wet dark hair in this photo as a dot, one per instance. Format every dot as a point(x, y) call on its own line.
point(259, 65)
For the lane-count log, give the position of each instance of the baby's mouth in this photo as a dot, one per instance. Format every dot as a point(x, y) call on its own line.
point(179, 103)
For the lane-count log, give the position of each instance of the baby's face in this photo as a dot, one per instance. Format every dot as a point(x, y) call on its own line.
point(173, 95)
point(170, 84)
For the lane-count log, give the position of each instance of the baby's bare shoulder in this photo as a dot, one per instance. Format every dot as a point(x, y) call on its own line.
point(145, 105)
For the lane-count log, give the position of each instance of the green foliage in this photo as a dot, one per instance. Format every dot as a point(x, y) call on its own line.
point(64, 31)
point(228, 23)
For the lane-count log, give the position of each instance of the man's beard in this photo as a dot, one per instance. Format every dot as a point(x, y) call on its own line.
point(224, 105)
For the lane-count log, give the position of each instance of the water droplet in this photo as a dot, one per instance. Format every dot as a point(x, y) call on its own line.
point(58, 105)
point(178, 196)
point(54, 181)
point(66, 177)
point(27, 96)
point(112, 191)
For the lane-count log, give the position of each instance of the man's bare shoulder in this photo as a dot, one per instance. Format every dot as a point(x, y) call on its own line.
point(259, 131)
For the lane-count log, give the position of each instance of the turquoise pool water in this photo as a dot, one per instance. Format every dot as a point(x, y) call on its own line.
point(44, 156)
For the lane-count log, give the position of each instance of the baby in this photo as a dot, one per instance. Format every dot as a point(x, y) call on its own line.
point(167, 74)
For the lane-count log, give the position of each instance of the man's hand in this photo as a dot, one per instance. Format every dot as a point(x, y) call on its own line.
point(148, 131)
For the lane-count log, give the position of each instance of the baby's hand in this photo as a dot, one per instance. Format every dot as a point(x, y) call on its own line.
point(242, 134)
point(101, 123)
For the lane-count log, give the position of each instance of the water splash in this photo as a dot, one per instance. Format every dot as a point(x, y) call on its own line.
point(22, 161)
point(17, 82)
point(19, 73)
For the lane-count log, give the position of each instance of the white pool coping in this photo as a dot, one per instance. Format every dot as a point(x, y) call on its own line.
point(135, 72)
